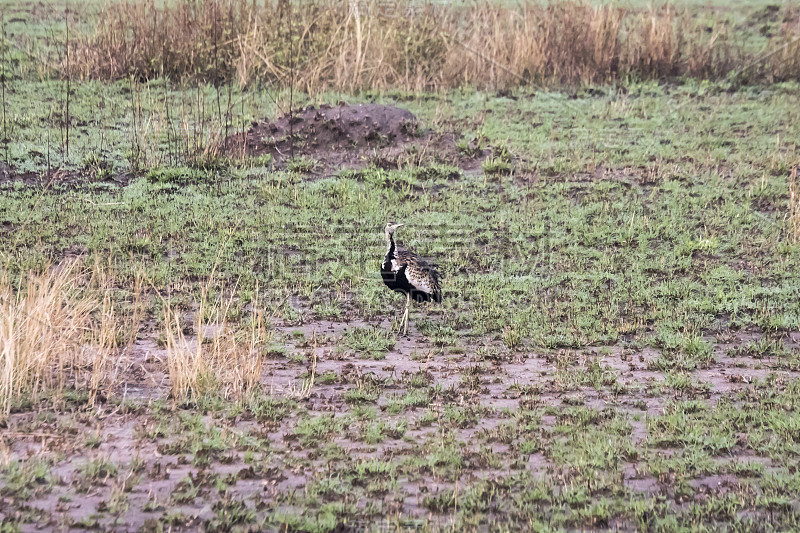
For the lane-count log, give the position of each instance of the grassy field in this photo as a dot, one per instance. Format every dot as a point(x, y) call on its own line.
point(192, 338)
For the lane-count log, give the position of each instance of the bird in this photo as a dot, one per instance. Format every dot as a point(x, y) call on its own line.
point(404, 271)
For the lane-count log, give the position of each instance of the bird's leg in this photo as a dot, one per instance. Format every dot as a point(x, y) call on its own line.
point(405, 315)
point(400, 326)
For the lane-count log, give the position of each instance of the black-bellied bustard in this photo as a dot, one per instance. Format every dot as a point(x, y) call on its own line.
point(404, 271)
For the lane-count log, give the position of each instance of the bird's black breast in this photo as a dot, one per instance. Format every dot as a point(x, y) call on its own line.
point(394, 279)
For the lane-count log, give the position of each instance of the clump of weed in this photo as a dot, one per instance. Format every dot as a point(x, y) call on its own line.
point(23, 479)
point(98, 469)
point(230, 516)
point(411, 399)
point(99, 169)
point(512, 337)
point(268, 408)
point(177, 175)
point(301, 164)
point(263, 160)
point(682, 352)
point(496, 166)
point(499, 163)
point(313, 430)
point(436, 172)
point(761, 348)
point(363, 392)
point(58, 330)
point(371, 342)
point(379, 431)
point(221, 359)
point(472, 147)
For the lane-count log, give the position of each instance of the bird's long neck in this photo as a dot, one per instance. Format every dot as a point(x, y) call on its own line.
point(389, 244)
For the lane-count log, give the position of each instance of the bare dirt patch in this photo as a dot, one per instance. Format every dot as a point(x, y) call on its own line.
point(351, 136)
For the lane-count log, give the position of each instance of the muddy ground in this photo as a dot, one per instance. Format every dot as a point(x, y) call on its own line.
point(162, 477)
point(446, 429)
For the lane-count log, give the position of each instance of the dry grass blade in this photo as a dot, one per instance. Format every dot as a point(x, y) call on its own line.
point(369, 45)
point(58, 330)
point(794, 207)
point(218, 358)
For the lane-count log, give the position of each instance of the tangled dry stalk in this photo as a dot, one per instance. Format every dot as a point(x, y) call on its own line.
point(794, 207)
point(334, 44)
point(218, 358)
point(60, 329)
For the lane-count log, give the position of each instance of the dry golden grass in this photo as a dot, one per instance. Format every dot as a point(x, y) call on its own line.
point(59, 329)
point(219, 358)
point(358, 45)
point(793, 215)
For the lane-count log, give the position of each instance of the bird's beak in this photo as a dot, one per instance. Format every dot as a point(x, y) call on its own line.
point(398, 225)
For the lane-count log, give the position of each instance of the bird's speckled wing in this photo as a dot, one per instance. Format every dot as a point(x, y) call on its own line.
point(422, 275)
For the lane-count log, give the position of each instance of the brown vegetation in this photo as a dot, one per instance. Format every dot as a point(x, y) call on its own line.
point(218, 358)
point(793, 214)
point(350, 45)
point(58, 330)
point(63, 328)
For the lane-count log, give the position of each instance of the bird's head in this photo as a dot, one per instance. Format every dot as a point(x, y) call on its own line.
point(391, 227)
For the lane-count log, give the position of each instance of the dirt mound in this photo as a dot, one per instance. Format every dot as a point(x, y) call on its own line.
point(321, 140)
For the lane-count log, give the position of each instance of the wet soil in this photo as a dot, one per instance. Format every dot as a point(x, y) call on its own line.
point(154, 468)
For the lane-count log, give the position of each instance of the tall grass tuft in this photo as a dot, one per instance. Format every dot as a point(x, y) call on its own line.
point(333, 44)
point(59, 329)
point(794, 207)
point(218, 359)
